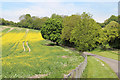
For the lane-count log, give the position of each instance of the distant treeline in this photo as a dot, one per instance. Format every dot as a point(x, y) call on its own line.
point(26, 21)
point(80, 31)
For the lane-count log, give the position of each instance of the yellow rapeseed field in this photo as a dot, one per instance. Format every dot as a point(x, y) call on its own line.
point(14, 42)
point(33, 36)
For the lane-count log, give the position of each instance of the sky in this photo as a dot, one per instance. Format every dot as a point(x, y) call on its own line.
point(100, 11)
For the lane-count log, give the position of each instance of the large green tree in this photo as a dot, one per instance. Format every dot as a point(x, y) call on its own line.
point(112, 18)
point(107, 21)
point(69, 23)
point(51, 30)
point(26, 21)
point(110, 35)
point(38, 22)
point(85, 33)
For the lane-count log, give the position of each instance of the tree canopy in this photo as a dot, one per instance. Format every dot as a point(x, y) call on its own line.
point(107, 21)
point(51, 30)
point(33, 22)
point(79, 31)
point(69, 23)
point(85, 33)
point(6, 22)
point(111, 34)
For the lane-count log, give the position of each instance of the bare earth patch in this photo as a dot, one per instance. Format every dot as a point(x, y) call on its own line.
point(64, 56)
point(27, 30)
point(6, 26)
point(10, 30)
point(115, 51)
point(65, 75)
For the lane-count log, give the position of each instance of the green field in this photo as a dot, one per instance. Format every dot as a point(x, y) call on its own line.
point(97, 69)
point(19, 61)
point(26, 54)
point(113, 54)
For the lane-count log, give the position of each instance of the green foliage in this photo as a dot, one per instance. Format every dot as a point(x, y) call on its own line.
point(33, 22)
point(110, 34)
point(52, 29)
point(112, 18)
point(38, 22)
point(56, 16)
point(111, 30)
point(79, 31)
point(69, 23)
point(6, 22)
point(102, 24)
point(26, 21)
point(85, 33)
point(107, 21)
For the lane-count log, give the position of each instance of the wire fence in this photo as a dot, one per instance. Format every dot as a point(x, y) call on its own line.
point(76, 73)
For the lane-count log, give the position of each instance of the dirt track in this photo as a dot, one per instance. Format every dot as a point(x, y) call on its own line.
point(28, 46)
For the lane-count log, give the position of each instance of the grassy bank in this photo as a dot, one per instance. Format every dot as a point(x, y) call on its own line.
point(97, 69)
point(42, 60)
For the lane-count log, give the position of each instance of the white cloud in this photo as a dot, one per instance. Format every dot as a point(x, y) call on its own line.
point(0, 9)
point(43, 9)
point(39, 9)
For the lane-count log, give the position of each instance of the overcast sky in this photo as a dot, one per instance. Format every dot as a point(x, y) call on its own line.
point(100, 10)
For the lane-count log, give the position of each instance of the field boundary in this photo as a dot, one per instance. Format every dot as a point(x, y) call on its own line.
point(77, 72)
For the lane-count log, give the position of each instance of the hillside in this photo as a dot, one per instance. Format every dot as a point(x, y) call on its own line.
point(26, 54)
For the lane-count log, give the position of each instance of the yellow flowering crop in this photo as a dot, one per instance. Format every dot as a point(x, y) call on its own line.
point(33, 36)
point(14, 42)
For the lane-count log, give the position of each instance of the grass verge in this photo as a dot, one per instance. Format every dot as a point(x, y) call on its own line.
point(113, 54)
point(98, 69)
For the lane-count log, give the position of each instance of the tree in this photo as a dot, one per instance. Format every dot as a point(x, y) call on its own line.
point(32, 22)
point(107, 21)
point(85, 33)
point(6, 22)
point(26, 21)
point(52, 30)
point(101, 24)
point(38, 22)
point(111, 35)
point(112, 18)
point(69, 23)
point(56, 16)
